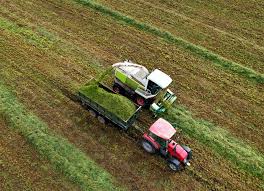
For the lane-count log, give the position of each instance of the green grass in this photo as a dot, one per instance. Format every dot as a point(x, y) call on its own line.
point(114, 103)
point(29, 36)
point(63, 155)
point(219, 140)
point(197, 50)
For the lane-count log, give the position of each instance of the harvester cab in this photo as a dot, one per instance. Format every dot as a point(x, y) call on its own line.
point(143, 86)
point(158, 139)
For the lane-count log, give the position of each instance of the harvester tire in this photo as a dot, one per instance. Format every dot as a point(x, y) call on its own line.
point(147, 146)
point(116, 89)
point(140, 100)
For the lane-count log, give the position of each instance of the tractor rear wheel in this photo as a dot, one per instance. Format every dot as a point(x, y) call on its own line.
point(147, 146)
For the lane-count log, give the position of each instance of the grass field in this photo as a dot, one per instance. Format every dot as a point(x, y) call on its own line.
point(51, 48)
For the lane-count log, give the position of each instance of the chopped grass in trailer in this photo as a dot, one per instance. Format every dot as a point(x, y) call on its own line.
point(114, 103)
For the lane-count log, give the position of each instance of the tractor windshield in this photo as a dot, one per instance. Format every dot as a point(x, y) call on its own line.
point(162, 142)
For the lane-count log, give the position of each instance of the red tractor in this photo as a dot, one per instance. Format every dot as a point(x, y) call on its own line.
point(159, 140)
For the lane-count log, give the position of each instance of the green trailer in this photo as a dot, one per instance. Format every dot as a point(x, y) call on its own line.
point(103, 114)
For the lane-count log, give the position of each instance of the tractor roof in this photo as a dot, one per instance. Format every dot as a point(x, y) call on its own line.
point(160, 78)
point(162, 129)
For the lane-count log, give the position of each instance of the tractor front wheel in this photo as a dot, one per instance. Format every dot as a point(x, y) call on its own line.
point(174, 167)
point(147, 146)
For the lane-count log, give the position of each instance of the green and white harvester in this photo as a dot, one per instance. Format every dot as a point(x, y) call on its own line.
point(146, 88)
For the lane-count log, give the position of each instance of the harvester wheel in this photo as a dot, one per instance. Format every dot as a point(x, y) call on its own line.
point(147, 146)
point(140, 101)
point(101, 119)
point(92, 113)
point(116, 89)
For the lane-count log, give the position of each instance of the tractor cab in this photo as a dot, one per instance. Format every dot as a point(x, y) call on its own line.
point(158, 139)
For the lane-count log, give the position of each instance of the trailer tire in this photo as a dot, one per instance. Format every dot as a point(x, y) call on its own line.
point(92, 113)
point(101, 119)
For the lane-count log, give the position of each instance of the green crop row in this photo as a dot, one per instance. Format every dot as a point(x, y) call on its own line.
point(63, 155)
point(29, 35)
point(198, 50)
point(219, 140)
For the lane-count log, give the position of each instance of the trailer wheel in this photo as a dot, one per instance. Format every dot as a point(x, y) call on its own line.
point(83, 103)
point(101, 119)
point(92, 113)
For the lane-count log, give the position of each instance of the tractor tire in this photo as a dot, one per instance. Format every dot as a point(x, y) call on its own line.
point(92, 113)
point(140, 100)
point(189, 152)
point(175, 167)
point(101, 119)
point(147, 146)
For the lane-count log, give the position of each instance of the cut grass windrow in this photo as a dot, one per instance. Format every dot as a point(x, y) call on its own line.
point(29, 36)
point(220, 141)
point(197, 50)
point(63, 155)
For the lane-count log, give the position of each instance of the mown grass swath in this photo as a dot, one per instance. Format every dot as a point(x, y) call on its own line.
point(219, 140)
point(198, 50)
point(62, 155)
point(29, 35)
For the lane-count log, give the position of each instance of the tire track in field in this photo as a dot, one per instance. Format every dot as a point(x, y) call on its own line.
point(197, 50)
